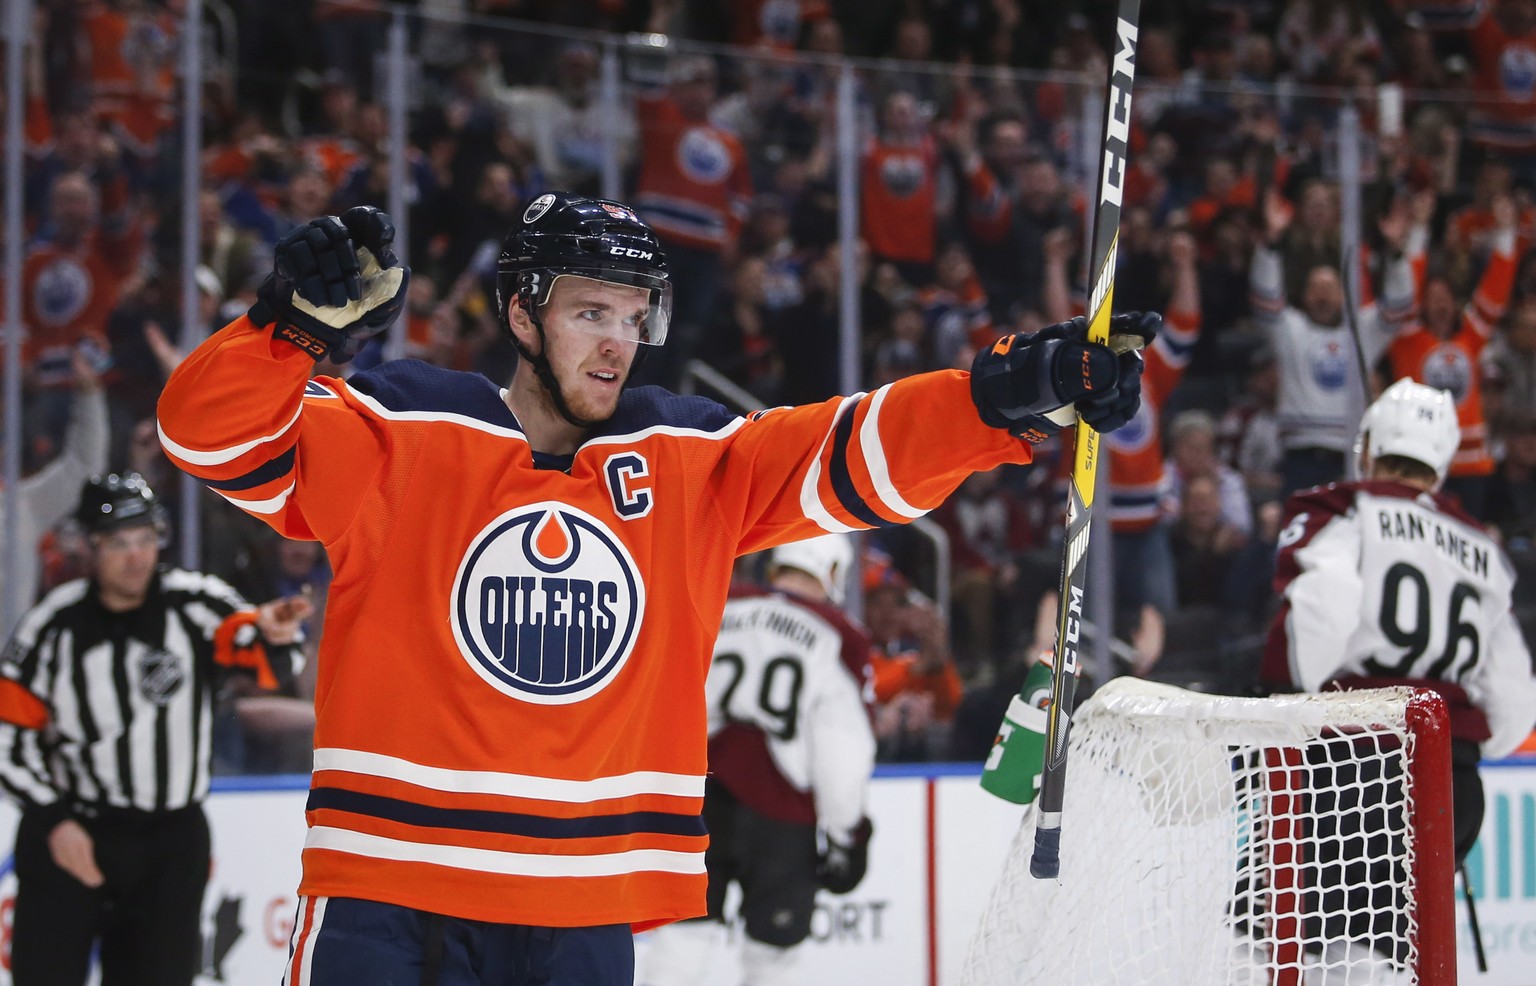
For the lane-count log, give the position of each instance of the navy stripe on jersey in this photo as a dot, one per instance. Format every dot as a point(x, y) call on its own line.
point(411, 385)
point(405, 385)
point(503, 822)
point(272, 469)
point(648, 407)
point(842, 479)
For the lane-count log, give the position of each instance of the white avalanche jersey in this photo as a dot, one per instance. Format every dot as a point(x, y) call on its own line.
point(789, 729)
point(1386, 583)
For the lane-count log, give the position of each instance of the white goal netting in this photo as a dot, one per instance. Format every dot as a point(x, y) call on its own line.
point(1210, 840)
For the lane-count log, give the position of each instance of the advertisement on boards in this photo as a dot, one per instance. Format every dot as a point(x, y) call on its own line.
point(939, 843)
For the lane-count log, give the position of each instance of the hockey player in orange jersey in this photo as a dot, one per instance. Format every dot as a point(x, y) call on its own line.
point(510, 715)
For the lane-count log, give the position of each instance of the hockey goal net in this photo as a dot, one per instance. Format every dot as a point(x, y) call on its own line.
point(1214, 840)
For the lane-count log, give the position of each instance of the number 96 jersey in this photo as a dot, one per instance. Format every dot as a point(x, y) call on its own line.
point(789, 729)
point(1384, 584)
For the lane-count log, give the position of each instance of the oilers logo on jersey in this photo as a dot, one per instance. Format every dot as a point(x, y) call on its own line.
point(547, 604)
point(1448, 368)
point(1330, 363)
point(703, 157)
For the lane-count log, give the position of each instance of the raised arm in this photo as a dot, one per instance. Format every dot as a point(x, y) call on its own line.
point(50, 494)
point(240, 411)
point(888, 457)
point(1266, 272)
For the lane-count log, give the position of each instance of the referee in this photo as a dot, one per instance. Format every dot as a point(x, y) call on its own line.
point(106, 704)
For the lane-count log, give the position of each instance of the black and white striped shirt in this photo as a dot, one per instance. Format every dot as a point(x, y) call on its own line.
point(130, 694)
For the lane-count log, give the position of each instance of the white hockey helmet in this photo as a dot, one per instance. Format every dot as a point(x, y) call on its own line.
point(1412, 420)
point(829, 558)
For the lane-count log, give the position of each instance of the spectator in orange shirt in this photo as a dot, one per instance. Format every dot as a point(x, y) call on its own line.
point(132, 49)
point(899, 189)
point(1503, 118)
point(916, 685)
point(1443, 348)
point(71, 279)
point(694, 189)
point(1470, 232)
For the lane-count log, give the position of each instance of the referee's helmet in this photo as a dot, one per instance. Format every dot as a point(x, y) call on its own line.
point(111, 503)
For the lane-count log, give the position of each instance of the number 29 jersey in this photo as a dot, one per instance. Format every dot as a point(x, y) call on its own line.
point(789, 729)
point(1381, 583)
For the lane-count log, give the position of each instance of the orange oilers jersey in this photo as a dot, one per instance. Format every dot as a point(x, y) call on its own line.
point(899, 185)
point(897, 673)
point(1504, 77)
point(510, 707)
point(694, 186)
point(69, 293)
point(133, 71)
point(1452, 364)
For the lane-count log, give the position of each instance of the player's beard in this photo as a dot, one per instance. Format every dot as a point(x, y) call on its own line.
point(584, 398)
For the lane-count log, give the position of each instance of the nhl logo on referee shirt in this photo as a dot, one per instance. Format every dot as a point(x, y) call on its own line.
point(547, 604)
point(160, 675)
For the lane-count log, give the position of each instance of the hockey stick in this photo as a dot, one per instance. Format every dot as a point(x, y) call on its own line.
point(1045, 864)
point(1476, 929)
point(1349, 245)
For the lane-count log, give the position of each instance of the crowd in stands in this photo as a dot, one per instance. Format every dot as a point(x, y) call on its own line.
point(976, 171)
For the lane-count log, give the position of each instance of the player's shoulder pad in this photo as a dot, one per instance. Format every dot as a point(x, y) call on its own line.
point(1334, 499)
point(651, 407)
point(1444, 502)
point(411, 385)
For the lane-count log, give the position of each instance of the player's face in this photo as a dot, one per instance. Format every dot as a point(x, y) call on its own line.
point(124, 564)
point(592, 328)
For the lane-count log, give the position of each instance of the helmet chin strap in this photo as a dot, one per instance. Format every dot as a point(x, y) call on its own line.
point(542, 370)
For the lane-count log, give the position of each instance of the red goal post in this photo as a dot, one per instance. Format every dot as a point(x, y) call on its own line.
point(1297, 839)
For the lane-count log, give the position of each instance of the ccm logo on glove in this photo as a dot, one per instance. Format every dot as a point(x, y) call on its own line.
point(335, 284)
point(1021, 379)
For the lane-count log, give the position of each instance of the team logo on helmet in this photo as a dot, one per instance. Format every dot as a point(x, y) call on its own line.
point(538, 207)
point(547, 604)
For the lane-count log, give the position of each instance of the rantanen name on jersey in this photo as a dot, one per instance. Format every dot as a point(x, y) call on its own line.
point(1403, 525)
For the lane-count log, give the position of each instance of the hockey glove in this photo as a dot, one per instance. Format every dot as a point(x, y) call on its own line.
point(1024, 382)
point(1020, 379)
point(335, 284)
point(1114, 408)
point(842, 864)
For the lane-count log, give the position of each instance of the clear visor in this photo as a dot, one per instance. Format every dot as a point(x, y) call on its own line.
point(629, 307)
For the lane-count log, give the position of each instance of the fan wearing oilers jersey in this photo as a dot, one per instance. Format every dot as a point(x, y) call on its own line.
point(1385, 581)
point(791, 750)
point(1315, 348)
point(511, 728)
